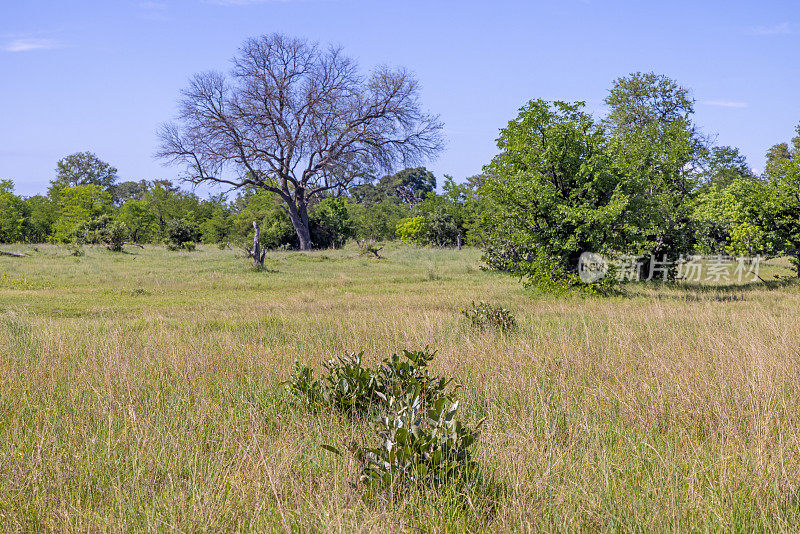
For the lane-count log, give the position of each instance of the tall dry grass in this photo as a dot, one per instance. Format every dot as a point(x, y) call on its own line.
point(141, 392)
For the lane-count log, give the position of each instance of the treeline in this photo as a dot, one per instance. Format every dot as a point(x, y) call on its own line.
point(86, 203)
point(643, 181)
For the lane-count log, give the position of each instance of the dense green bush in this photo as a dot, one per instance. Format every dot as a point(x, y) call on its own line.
point(377, 221)
point(14, 214)
point(76, 205)
point(412, 230)
point(421, 445)
point(330, 223)
point(103, 230)
point(179, 232)
point(421, 442)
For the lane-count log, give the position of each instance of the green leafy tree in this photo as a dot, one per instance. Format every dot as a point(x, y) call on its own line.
point(776, 207)
point(455, 216)
point(216, 222)
point(125, 191)
point(368, 194)
point(778, 154)
point(78, 204)
point(181, 233)
point(410, 185)
point(442, 228)
point(14, 214)
point(102, 229)
point(377, 221)
point(724, 166)
point(167, 203)
point(724, 225)
point(140, 220)
point(253, 204)
point(42, 216)
point(646, 98)
point(658, 150)
point(552, 194)
point(82, 168)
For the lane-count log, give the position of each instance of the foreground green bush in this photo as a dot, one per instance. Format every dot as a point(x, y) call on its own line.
point(421, 445)
point(413, 414)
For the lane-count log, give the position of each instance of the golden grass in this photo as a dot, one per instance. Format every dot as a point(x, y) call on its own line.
point(141, 392)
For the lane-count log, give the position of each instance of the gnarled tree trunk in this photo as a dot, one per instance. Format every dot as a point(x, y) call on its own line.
point(299, 217)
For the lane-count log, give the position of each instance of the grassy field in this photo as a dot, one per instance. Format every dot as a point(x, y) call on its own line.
point(140, 391)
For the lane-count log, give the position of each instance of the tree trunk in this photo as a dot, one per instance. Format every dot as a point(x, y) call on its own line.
point(299, 217)
point(458, 240)
point(257, 253)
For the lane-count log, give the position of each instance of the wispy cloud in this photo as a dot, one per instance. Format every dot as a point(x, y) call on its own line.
point(152, 10)
point(152, 6)
point(784, 28)
point(725, 103)
point(28, 44)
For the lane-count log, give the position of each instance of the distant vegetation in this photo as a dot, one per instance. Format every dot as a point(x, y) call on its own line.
point(642, 181)
point(158, 212)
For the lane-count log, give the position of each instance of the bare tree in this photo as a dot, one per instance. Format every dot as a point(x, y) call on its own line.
point(297, 120)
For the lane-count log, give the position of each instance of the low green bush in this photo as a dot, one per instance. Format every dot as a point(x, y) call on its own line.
point(413, 414)
point(179, 232)
point(103, 230)
point(421, 445)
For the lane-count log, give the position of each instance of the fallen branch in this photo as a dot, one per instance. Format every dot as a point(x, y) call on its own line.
point(369, 247)
point(15, 254)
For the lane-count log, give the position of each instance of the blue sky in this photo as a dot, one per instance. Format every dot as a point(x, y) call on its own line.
point(101, 76)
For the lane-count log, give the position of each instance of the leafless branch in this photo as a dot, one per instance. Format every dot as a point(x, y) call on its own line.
point(297, 119)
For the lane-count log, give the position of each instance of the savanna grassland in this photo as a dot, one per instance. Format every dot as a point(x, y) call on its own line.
point(141, 391)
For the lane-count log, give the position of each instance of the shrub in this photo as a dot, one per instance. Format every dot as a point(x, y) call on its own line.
point(420, 445)
point(484, 315)
point(398, 376)
point(304, 387)
point(441, 228)
point(412, 230)
point(348, 386)
point(116, 233)
point(330, 223)
point(101, 229)
point(180, 231)
point(414, 415)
